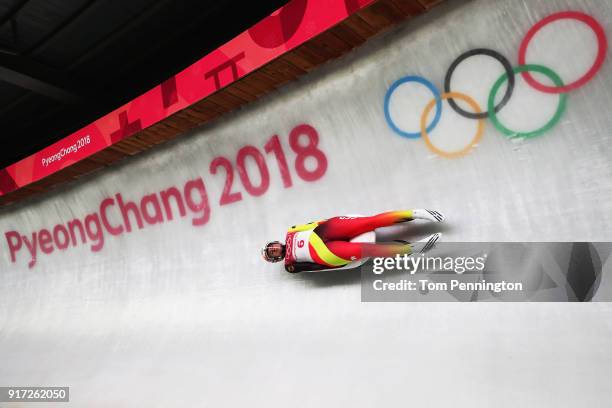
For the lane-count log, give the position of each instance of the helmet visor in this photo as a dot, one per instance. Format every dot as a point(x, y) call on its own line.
point(273, 252)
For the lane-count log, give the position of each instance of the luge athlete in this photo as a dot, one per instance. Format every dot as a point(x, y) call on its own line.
point(326, 244)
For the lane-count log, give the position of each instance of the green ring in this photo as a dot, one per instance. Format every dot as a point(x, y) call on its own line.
point(552, 122)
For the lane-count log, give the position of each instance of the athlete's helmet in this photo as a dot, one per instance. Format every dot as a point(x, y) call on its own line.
point(268, 257)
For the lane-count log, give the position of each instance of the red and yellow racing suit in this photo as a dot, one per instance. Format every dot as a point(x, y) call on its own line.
point(326, 244)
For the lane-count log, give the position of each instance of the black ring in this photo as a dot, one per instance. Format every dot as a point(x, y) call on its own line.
point(480, 51)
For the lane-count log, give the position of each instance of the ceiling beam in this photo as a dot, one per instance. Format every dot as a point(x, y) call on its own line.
point(28, 74)
point(12, 12)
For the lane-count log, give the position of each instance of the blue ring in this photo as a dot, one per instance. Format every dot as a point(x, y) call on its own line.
point(432, 88)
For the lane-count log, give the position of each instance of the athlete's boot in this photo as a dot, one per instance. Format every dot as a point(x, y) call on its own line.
point(429, 215)
point(423, 245)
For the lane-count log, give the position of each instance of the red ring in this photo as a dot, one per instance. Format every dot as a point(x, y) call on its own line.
point(602, 43)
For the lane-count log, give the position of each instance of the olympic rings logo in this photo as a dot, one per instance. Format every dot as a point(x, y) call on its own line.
point(524, 68)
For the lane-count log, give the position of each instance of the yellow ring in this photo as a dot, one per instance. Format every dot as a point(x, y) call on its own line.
point(477, 136)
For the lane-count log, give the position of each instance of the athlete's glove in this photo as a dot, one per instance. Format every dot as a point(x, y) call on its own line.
point(429, 215)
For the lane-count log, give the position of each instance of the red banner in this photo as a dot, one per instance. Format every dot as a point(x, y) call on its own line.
point(290, 26)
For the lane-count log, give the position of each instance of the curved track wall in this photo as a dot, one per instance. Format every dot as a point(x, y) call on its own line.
point(184, 310)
